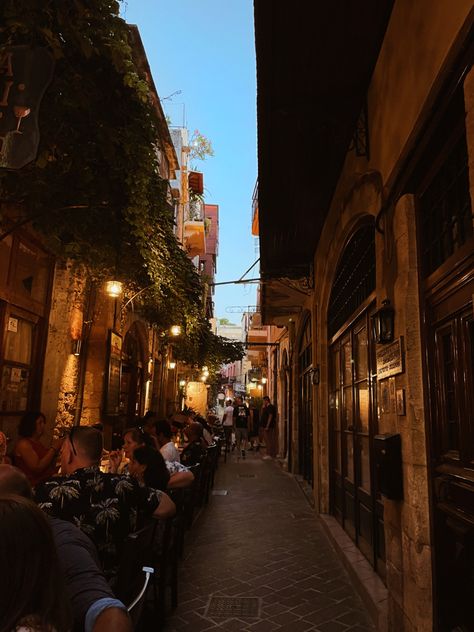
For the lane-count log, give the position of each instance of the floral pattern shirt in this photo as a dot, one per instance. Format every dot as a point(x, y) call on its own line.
point(106, 507)
point(174, 467)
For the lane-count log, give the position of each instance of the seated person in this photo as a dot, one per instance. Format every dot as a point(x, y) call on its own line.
point(30, 455)
point(150, 469)
point(195, 450)
point(94, 606)
point(167, 447)
point(32, 592)
point(133, 438)
point(107, 507)
point(4, 459)
point(207, 432)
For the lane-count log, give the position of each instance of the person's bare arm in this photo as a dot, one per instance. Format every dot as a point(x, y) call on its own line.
point(180, 479)
point(31, 459)
point(270, 417)
point(166, 508)
point(114, 619)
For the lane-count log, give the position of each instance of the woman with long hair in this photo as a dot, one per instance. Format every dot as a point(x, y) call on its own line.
point(30, 455)
point(32, 595)
point(148, 466)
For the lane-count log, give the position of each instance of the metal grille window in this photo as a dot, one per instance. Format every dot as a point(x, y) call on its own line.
point(443, 193)
point(355, 278)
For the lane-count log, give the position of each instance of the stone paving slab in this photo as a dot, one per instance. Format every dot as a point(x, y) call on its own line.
point(263, 540)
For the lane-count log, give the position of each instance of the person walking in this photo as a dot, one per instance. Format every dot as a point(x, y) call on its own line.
point(268, 423)
point(241, 423)
point(228, 424)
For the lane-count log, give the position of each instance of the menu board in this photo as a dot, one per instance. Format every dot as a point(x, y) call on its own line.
point(112, 391)
point(390, 359)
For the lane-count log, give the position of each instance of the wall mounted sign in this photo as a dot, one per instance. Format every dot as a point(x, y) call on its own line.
point(25, 73)
point(390, 359)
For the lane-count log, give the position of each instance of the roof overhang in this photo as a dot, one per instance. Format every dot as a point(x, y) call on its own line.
point(314, 64)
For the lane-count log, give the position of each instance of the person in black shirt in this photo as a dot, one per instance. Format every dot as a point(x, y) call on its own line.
point(194, 451)
point(268, 423)
point(241, 424)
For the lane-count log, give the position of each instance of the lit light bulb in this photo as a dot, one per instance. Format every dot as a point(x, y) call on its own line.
point(114, 288)
point(171, 364)
point(175, 330)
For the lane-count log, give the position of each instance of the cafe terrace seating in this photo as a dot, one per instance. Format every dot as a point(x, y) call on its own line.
point(155, 550)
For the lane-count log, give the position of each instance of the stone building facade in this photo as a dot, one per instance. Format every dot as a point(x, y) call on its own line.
point(398, 226)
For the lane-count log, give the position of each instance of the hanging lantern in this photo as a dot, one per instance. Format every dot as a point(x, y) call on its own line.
point(114, 288)
point(383, 323)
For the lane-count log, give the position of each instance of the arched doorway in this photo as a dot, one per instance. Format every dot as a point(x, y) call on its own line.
point(352, 390)
point(305, 408)
point(131, 385)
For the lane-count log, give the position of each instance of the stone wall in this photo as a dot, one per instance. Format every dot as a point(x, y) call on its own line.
point(60, 376)
point(407, 526)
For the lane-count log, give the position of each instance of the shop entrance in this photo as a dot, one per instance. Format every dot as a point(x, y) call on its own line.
point(447, 267)
point(352, 392)
point(131, 384)
point(305, 425)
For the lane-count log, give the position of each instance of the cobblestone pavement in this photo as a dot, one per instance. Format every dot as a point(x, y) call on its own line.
point(263, 541)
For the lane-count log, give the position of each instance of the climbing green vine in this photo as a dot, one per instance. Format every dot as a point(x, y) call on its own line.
point(94, 191)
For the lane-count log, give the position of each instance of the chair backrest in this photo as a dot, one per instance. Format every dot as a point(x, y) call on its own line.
point(137, 552)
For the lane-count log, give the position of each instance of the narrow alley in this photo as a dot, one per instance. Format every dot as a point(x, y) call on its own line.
point(258, 559)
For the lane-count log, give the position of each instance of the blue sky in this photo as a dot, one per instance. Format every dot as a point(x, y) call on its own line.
point(205, 48)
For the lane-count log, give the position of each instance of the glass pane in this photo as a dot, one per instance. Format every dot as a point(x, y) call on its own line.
point(14, 388)
point(19, 340)
point(337, 450)
point(347, 362)
point(349, 457)
point(364, 463)
point(334, 410)
point(32, 273)
point(347, 407)
point(335, 369)
point(363, 406)
point(5, 251)
point(361, 354)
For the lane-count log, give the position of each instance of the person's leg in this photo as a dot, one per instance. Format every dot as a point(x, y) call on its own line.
point(271, 448)
point(228, 437)
point(238, 438)
point(243, 443)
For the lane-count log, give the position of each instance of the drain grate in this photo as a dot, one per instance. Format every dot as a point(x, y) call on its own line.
point(219, 492)
point(246, 475)
point(233, 607)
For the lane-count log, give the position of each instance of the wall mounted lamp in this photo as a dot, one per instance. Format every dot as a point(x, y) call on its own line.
point(114, 288)
point(315, 375)
point(383, 323)
point(171, 364)
point(175, 330)
point(264, 380)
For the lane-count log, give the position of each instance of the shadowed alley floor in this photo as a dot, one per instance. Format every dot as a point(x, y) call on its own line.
point(261, 546)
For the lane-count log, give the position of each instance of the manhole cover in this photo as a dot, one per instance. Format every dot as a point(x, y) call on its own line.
point(219, 492)
point(233, 607)
point(246, 475)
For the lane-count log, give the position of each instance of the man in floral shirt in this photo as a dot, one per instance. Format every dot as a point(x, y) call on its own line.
point(107, 507)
